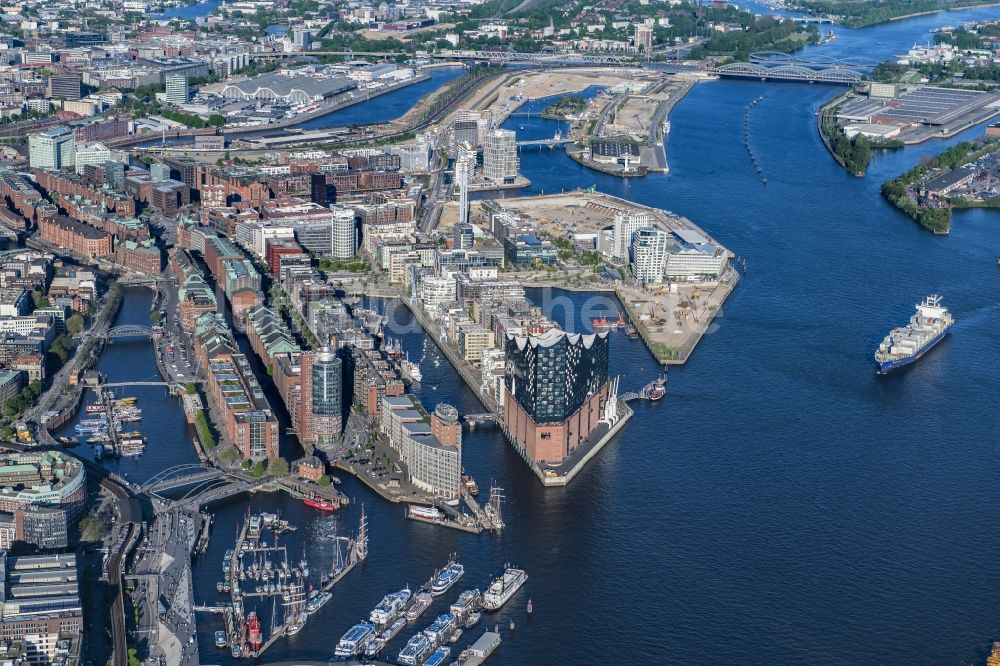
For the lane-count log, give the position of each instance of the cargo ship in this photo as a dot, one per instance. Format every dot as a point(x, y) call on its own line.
point(446, 578)
point(907, 344)
point(503, 588)
point(390, 607)
point(319, 503)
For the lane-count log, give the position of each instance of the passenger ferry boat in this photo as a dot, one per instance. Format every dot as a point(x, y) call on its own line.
point(414, 651)
point(320, 503)
point(503, 588)
point(411, 370)
point(467, 603)
point(390, 607)
point(427, 514)
point(393, 630)
point(220, 639)
point(421, 603)
point(909, 343)
point(446, 578)
point(441, 628)
point(470, 485)
point(253, 531)
point(438, 657)
point(317, 602)
point(353, 642)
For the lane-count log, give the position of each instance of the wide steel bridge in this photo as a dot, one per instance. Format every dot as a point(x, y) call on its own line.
point(810, 68)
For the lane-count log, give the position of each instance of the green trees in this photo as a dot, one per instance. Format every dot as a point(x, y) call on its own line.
point(58, 351)
point(74, 324)
point(204, 430)
point(277, 467)
point(22, 400)
point(936, 218)
point(39, 299)
point(324, 481)
point(190, 389)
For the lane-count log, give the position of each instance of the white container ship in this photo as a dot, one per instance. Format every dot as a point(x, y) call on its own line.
point(907, 344)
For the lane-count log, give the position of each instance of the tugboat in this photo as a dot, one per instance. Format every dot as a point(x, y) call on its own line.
point(319, 503)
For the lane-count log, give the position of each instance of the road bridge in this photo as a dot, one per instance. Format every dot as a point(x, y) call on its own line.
point(179, 476)
point(546, 142)
point(129, 331)
point(749, 70)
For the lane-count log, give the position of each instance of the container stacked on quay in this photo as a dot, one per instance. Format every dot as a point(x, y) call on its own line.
point(907, 344)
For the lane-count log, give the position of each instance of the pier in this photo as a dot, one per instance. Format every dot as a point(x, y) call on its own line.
point(279, 581)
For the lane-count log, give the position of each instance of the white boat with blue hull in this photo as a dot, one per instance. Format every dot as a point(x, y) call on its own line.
point(446, 578)
point(907, 344)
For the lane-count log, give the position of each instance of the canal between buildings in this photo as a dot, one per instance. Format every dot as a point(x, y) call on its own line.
point(782, 502)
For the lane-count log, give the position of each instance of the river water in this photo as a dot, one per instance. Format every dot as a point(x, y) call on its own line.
point(782, 505)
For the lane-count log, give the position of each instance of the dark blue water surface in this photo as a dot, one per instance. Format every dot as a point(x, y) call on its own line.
point(197, 10)
point(388, 106)
point(783, 505)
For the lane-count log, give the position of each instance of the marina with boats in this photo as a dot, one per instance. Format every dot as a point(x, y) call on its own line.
point(258, 568)
point(432, 645)
point(104, 427)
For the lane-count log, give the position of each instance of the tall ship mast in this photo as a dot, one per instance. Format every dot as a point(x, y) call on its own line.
point(493, 507)
point(362, 545)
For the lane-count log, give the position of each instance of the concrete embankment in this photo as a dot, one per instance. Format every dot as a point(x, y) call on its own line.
point(469, 374)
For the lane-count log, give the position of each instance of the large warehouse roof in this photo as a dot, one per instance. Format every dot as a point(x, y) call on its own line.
point(295, 89)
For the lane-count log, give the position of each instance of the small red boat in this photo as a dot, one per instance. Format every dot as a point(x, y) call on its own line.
point(253, 630)
point(321, 504)
point(600, 323)
point(657, 390)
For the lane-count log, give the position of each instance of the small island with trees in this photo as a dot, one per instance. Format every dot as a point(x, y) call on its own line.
point(567, 107)
point(967, 175)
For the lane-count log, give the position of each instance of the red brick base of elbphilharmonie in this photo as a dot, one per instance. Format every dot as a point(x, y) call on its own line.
point(552, 443)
